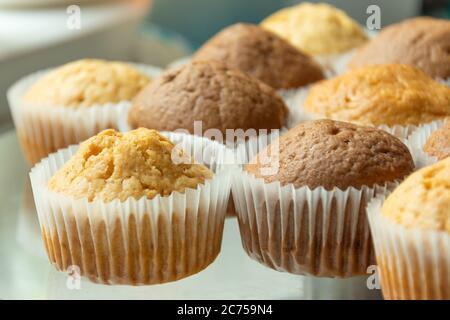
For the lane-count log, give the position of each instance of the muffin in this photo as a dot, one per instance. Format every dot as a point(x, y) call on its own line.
point(210, 93)
point(421, 42)
point(261, 54)
point(438, 144)
point(389, 95)
point(66, 105)
point(308, 216)
point(425, 149)
point(125, 210)
point(316, 29)
point(411, 232)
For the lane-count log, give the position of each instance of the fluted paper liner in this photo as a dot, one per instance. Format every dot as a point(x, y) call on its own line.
point(43, 129)
point(338, 63)
point(413, 263)
point(417, 140)
point(136, 241)
point(295, 99)
point(304, 231)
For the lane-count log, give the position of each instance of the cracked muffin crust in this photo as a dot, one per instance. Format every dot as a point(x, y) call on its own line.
point(317, 29)
point(333, 154)
point(391, 94)
point(438, 144)
point(112, 165)
point(262, 55)
point(87, 82)
point(423, 42)
point(220, 97)
point(423, 199)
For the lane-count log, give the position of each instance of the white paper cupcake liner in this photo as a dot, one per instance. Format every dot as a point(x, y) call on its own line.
point(413, 263)
point(303, 231)
point(44, 129)
point(136, 241)
point(295, 99)
point(334, 64)
point(337, 64)
point(417, 140)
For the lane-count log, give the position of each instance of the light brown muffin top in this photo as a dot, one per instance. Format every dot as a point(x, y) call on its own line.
point(391, 94)
point(84, 83)
point(112, 165)
point(262, 55)
point(316, 28)
point(220, 97)
point(333, 154)
point(422, 42)
point(423, 199)
point(438, 144)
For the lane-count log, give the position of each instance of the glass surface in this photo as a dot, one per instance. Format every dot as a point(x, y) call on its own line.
point(25, 272)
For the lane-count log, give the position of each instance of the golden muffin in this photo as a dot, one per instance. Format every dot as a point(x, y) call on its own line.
point(112, 165)
point(84, 83)
point(123, 208)
point(391, 94)
point(412, 236)
point(438, 144)
point(423, 200)
point(421, 42)
point(261, 54)
point(317, 29)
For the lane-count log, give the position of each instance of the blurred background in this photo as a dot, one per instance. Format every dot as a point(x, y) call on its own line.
point(36, 34)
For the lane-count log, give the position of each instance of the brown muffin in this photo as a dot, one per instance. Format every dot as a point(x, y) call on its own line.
point(261, 54)
point(422, 42)
point(337, 154)
point(438, 144)
point(220, 97)
point(315, 231)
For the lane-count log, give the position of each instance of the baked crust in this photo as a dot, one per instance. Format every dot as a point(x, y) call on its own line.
point(87, 82)
point(333, 154)
point(392, 94)
point(219, 97)
point(261, 54)
point(438, 144)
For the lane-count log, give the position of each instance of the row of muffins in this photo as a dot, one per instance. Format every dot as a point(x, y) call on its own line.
point(79, 110)
point(222, 97)
point(394, 97)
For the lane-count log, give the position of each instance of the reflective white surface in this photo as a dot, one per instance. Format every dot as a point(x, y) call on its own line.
point(25, 272)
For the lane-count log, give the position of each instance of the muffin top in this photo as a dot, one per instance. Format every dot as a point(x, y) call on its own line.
point(382, 94)
point(438, 144)
point(219, 97)
point(333, 154)
point(423, 199)
point(317, 29)
point(262, 55)
point(84, 83)
point(112, 165)
point(422, 42)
